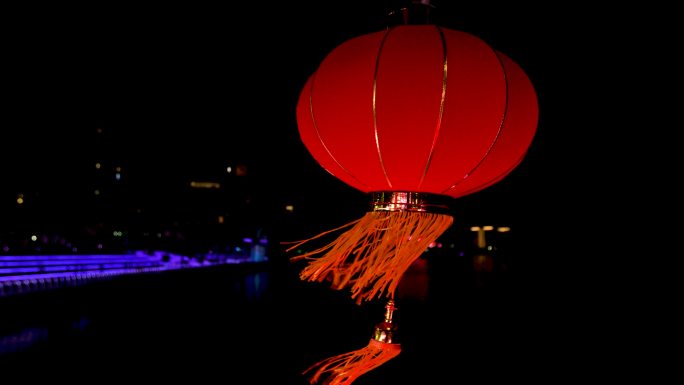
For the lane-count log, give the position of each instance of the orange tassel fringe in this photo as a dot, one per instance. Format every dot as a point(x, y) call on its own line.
point(371, 256)
point(345, 368)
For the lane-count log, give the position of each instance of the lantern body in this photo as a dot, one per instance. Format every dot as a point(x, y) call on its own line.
point(409, 114)
point(418, 108)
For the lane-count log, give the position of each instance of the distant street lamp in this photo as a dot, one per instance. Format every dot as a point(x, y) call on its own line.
point(483, 261)
point(481, 239)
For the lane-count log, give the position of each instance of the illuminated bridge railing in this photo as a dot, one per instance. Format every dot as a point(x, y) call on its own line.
point(29, 273)
point(23, 274)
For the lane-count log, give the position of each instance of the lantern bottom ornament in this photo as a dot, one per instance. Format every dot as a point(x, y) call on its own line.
point(373, 254)
point(345, 368)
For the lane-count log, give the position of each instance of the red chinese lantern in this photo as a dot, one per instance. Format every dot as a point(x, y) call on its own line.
point(415, 116)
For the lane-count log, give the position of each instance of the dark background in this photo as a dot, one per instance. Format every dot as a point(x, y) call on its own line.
point(182, 90)
point(179, 92)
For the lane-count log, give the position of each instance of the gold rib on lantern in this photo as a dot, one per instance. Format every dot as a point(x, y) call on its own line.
point(371, 257)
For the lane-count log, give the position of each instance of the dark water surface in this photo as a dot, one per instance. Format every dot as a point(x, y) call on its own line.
point(258, 324)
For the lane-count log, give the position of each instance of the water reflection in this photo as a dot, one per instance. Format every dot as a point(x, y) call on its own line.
point(22, 340)
point(256, 285)
point(258, 322)
point(147, 305)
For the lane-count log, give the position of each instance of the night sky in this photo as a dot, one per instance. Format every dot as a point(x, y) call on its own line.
point(184, 90)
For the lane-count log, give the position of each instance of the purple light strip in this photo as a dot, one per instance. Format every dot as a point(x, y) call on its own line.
point(74, 275)
point(80, 256)
point(22, 270)
point(73, 262)
point(41, 272)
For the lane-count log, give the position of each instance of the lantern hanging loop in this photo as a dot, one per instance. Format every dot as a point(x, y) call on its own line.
point(417, 12)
